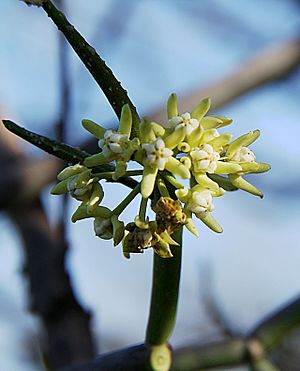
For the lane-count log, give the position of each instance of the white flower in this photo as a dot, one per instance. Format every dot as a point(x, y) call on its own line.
point(157, 155)
point(112, 143)
point(200, 203)
point(204, 158)
point(185, 120)
point(244, 154)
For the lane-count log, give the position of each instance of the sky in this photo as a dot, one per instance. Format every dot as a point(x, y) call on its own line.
point(156, 48)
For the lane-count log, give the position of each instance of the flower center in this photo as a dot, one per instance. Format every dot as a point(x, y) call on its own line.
point(244, 154)
point(204, 158)
point(112, 143)
point(157, 155)
point(185, 120)
point(200, 202)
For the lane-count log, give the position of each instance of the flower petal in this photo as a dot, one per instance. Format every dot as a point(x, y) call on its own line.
point(167, 238)
point(177, 168)
point(241, 183)
point(125, 121)
point(95, 160)
point(183, 194)
point(60, 188)
point(158, 130)
point(190, 225)
point(147, 134)
point(225, 120)
point(205, 182)
point(172, 106)
point(201, 109)
point(176, 137)
point(70, 171)
point(227, 168)
point(148, 181)
point(211, 223)
point(223, 182)
point(163, 250)
point(95, 129)
point(243, 141)
point(210, 122)
point(118, 230)
point(195, 137)
point(220, 141)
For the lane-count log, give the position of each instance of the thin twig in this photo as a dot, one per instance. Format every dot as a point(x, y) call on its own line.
point(272, 64)
point(111, 87)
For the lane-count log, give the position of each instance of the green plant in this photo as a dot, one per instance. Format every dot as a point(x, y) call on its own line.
point(187, 146)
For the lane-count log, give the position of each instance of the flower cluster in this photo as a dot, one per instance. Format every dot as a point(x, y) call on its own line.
point(189, 146)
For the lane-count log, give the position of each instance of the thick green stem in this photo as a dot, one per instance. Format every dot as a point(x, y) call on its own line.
point(226, 353)
point(263, 365)
point(165, 289)
point(111, 87)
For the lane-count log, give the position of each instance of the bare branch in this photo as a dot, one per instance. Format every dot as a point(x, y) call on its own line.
point(270, 65)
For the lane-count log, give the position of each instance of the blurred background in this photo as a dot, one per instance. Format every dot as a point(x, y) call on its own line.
point(245, 56)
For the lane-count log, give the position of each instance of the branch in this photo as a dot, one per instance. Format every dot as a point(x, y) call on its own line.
point(63, 151)
point(226, 353)
point(275, 327)
point(111, 87)
point(270, 65)
point(133, 358)
point(283, 60)
point(60, 150)
point(230, 353)
point(66, 323)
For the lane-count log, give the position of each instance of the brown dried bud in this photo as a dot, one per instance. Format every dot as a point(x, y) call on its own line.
point(169, 214)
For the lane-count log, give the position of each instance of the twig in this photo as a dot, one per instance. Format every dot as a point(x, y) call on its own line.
point(275, 327)
point(270, 65)
point(65, 152)
point(66, 324)
point(111, 87)
point(231, 352)
point(133, 358)
point(60, 150)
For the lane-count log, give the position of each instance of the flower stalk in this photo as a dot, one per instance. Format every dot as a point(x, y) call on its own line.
point(165, 290)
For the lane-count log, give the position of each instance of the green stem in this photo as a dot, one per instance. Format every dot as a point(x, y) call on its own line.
point(143, 209)
point(224, 353)
point(223, 182)
point(67, 153)
point(111, 87)
point(165, 289)
point(122, 205)
point(263, 365)
point(109, 174)
point(134, 172)
point(172, 181)
point(163, 190)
